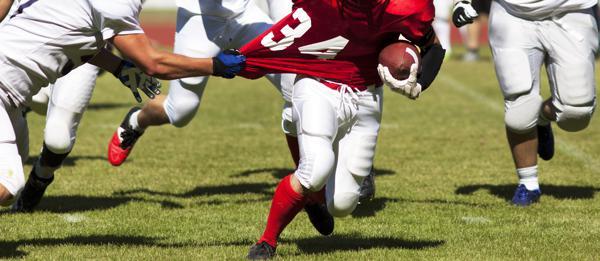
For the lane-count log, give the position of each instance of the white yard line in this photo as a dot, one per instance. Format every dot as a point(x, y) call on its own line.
point(497, 106)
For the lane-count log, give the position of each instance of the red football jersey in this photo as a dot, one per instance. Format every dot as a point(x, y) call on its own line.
point(318, 39)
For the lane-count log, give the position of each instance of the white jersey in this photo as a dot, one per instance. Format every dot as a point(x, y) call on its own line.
point(13, 8)
point(541, 9)
point(219, 8)
point(48, 38)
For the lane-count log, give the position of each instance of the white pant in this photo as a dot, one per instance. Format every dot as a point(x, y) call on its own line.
point(337, 133)
point(441, 23)
point(566, 44)
point(13, 147)
point(203, 36)
point(67, 100)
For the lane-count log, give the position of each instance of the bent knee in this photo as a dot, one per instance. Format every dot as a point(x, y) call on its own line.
point(342, 203)
point(521, 114)
point(317, 162)
point(182, 111)
point(574, 118)
point(59, 137)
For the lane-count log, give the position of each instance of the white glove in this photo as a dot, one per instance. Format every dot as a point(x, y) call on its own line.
point(407, 87)
point(463, 13)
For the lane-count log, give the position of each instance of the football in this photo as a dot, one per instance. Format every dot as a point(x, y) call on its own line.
point(399, 57)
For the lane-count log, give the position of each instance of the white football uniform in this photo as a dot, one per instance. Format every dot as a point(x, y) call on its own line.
point(204, 28)
point(50, 38)
point(565, 42)
point(541, 9)
point(44, 41)
point(12, 10)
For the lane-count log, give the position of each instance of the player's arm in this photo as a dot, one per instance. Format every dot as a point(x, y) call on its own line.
point(5, 8)
point(432, 57)
point(167, 66)
point(463, 13)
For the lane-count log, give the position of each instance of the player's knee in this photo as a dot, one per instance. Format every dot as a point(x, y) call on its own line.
point(574, 118)
point(521, 114)
point(342, 203)
point(12, 179)
point(182, 112)
point(316, 164)
point(59, 137)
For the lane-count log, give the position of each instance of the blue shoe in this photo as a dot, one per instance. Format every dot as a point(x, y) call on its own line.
point(545, 142)
point(524, 197)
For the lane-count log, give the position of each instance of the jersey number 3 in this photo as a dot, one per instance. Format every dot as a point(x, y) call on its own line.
point(327, 49)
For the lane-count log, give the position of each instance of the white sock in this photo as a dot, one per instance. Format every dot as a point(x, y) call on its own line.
point(528, 177)
point(133, 121)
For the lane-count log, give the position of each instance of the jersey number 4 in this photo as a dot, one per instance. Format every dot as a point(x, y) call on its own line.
point(327, 49)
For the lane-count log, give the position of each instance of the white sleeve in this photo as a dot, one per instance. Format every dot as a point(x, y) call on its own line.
point(118, 17)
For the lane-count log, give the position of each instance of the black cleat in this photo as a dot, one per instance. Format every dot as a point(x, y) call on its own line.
point(367, 188)
point(545, 142)
point(32, 193)
point(320, 218)
point(261, 251)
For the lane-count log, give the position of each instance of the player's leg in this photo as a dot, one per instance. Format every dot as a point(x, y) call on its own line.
point(570, 67)
point(39, 102)
point(316, 122)
point(70, 97)
point(356, 151)
point(196, 36)
point(441, 23)
point(518, 60)
point(278, 9)
point(11, 163)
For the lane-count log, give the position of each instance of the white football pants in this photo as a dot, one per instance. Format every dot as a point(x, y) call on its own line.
point(14, 146)
point(66, 101)
point(566, 44)
point(202, 36)
point(441, 23)
point(337, 133)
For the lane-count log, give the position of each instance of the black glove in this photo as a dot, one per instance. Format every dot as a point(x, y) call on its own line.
point(135, 79)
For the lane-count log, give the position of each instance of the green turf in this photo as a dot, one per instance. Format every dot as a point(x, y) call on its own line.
point(202, 192)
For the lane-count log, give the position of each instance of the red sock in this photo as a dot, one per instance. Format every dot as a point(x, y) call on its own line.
point(292, 143)
point(285, 206)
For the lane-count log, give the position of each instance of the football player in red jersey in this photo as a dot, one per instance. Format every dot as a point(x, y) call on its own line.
point(333, 47)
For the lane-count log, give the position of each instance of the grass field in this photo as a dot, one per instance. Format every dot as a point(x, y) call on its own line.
point(444, 180)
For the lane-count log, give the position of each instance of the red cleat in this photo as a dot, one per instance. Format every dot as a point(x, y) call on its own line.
point(122, 141)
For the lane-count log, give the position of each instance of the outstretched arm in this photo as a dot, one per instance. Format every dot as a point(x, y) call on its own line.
point(4, 8)
point(168, 66)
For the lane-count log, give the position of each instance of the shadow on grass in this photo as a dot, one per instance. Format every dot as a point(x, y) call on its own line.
point(280, 173)
point(255, 188)
point(10, 249)
point(370, 208)
point(351, 242)
point(108, 106)
point(69, 161)
point(77, 203)
point(506, 191)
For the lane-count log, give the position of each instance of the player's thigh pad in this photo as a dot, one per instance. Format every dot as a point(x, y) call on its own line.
point(573, 40)
point(516, 51)
point(73, 91)
point(317, 124)
point(11, 166)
